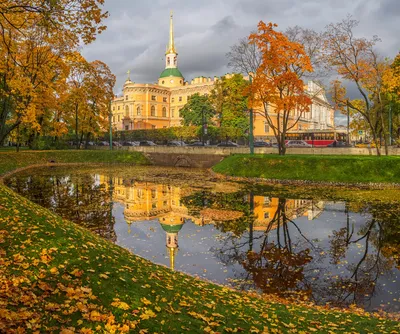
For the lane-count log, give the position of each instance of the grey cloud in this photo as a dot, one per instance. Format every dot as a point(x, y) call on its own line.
point(204, 30)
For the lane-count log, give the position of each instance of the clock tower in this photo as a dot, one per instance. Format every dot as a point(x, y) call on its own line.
point(171, 76)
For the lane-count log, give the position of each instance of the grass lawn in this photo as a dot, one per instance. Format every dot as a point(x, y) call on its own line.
point(58, 277)
point(12, 160)
point(350, 169)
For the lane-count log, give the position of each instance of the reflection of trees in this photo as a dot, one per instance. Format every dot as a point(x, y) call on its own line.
point(283, 260)
point(277, 267)
point(362, 280)
point(228, 203)
point(76, 198)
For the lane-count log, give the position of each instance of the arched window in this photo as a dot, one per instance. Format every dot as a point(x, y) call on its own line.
point(153, 111)
point(127, 111)
point(164, 112)
point(138, 111)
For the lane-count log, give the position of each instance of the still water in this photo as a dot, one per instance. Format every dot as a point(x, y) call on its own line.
point(264, 239)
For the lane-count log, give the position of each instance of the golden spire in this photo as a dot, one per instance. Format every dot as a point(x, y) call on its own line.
point(171, 45)
point(172, 257)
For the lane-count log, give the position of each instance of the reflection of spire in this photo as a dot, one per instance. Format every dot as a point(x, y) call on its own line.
point(172, 224)
point(172, 252)
point(129, 226)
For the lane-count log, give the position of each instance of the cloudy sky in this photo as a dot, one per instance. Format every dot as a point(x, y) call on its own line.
point(138, 30)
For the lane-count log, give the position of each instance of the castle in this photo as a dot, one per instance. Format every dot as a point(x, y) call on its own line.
point(155, 106)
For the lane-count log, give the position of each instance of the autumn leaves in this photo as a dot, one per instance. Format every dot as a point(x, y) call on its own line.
point(39, 66)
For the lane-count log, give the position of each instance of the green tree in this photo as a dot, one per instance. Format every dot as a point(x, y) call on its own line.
point(229, 99)
point(197, 111)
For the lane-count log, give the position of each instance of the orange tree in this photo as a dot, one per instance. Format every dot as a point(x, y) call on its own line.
point(357, 63)
point(85, 107)
point(35, 36)
point(277, 85)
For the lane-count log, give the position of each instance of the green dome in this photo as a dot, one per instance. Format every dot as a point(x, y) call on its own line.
point(171, 228)
point(171, 72)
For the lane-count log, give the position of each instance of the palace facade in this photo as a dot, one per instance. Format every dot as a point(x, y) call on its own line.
point(155, 106)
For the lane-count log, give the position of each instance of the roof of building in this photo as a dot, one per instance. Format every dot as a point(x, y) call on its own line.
point(171, 72)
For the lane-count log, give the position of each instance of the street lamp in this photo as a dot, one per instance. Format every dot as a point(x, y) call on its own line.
point(390, 124)
point(251, 135)
point(110, 123)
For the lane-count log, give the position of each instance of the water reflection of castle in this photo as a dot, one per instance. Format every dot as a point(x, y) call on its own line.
point(147, 201)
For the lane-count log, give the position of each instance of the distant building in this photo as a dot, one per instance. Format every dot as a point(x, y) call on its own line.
point(155, 106)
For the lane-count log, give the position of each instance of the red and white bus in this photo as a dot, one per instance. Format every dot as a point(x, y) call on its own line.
point(318, 138)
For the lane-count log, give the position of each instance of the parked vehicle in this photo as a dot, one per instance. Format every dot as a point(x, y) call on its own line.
point(176, 143)
point(297, 143)
point(116, 144)
point(261, 144)
point(227, 144)
point(103, 143)
point(130, 143)
point(197, 143)
point(338, 144)
point(365, 145)
point(147, 143)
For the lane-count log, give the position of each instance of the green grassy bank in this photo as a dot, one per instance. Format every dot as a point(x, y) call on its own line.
point(350, 169)
point(56, 277)
point(12, 160)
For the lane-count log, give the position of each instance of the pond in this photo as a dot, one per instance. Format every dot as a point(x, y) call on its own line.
point(271, 239)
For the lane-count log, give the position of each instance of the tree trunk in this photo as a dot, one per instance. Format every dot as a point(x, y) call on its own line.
point(87, 140)
point(76, 128)
point(374, 135)
point(281, 144)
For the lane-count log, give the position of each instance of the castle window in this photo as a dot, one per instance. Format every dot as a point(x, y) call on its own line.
point(180, 81)
point(266, 215)
point(266, 127)
point(118, 107)
point(118, 117)
point(113, 119)
point(164, 112)
point(138, 111)
point(180, 98)
point(172, 99)
point(163, 82)
point(126, 127)
point(164, 99)
point(126, 97)
point(153, 126)
point(153, 111)
point(127, 111)
point(172, 112)
point(188, 98)
point(114, 108)
point(154, 205)
point(153, 98)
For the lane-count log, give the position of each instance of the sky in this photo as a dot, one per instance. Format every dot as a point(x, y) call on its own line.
point(137, 31)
